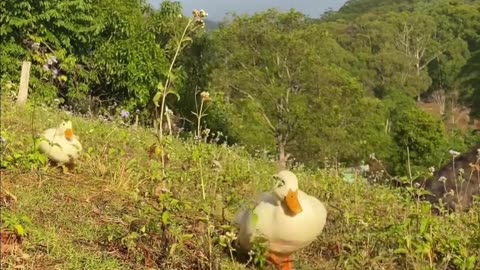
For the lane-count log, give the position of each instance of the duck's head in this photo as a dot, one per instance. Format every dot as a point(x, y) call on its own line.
point(286, 189)
point(66, 129)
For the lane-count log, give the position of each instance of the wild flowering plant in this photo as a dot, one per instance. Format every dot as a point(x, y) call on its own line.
point(201, 112)
point(165, 88)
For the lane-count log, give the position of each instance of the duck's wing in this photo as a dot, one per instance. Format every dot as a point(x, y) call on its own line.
point(246, 219)
point(73, 147)
point(50, 134)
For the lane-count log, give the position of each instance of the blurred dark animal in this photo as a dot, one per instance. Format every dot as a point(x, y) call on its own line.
point(456, 183)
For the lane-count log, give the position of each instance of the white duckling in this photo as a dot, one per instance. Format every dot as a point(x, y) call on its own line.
point(60, 144)
point(288, 218)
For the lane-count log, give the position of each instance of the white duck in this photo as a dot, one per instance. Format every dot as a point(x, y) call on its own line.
point(60, 144)
point(287, 217)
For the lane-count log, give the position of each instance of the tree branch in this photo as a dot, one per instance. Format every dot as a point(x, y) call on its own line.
point(256, 79)
point(270, 125)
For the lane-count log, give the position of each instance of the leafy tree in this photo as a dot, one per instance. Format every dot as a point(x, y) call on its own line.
point(421, 140)
point(471, 81)
point(283, 87)
point(54, 35)
point(128, 59)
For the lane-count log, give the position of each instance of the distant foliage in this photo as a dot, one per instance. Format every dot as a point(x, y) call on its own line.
point(424, 137)
point(341, 87)
point(54, 35)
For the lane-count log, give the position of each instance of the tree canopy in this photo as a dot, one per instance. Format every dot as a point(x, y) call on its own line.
point(340, 88)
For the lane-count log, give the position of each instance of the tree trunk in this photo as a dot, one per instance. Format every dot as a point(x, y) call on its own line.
point(439, 98)
point(282, 154)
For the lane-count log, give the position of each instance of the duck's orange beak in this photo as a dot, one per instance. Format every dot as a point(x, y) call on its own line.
point(292, 202)
point(69, 133)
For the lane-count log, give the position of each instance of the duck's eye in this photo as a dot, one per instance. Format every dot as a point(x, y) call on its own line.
point(278, 181)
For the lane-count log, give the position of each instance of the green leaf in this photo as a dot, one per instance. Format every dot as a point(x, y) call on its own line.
point(160, 87)
point(172, 76)
point(187, 236)
point(423, 225)
point(174, 93)
point(173, 248)
point(187, 39)
point(254, 218)
point(401, 251)
point(62, 78)
point(156, 98)
point(166, 218)
point(19, 230)
point(195, 155)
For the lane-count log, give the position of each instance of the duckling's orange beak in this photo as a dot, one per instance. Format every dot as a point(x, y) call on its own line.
point(292, 202)
point(69, 133)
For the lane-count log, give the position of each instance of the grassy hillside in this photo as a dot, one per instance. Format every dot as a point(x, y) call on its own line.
point(118, 212)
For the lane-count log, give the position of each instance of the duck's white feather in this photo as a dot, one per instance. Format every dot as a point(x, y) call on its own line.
point(285, 233)
point(58, 148)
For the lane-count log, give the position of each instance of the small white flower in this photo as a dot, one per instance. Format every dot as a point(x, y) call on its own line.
point(203, 14)
point(453, 153)
point(168, 111)
point(363, 223)
point(442, 179)
point(231, 236)
point(431, 169)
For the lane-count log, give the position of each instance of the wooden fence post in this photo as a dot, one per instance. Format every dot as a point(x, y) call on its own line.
point(23, 90)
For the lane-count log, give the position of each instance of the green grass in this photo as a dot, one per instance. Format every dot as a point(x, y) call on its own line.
point(114, 213)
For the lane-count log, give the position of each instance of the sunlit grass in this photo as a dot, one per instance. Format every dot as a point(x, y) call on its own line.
point(118, 212)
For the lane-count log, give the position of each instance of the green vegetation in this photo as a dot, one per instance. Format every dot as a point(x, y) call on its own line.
point(182, 126)
point(118, 212)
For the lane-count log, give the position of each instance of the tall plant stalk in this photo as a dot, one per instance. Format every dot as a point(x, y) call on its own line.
point(167, 82)
point(163, 89)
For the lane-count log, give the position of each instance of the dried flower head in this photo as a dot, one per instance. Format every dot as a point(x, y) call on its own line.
point(198, 16)
point(203, 13)
point(205, 96)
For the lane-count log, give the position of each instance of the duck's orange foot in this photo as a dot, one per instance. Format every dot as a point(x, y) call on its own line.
point(281, 262)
